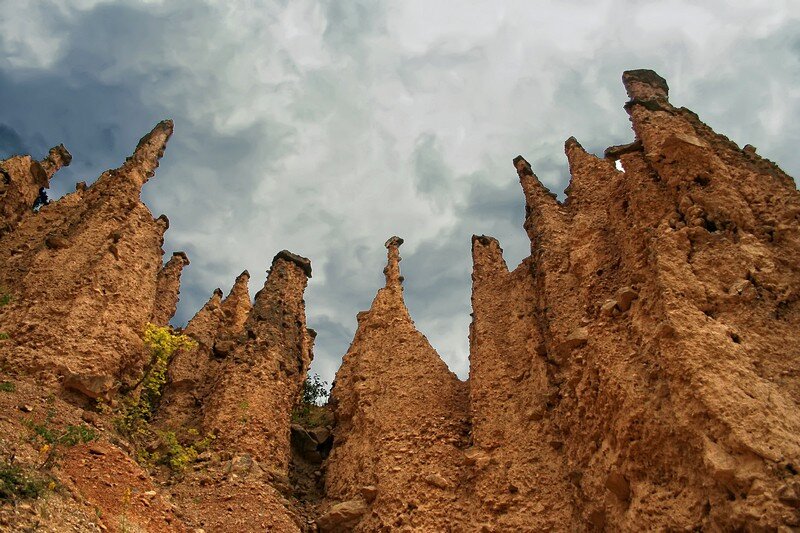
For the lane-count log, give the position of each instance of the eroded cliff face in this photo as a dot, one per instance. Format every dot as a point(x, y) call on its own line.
point(636, 372)
point(662, 303)
point(84, 273)
point(263, 372)
point(240, 385)
point(85, 277)
point(193, 374)
point(400, 423)
point(519, 481)
point(22, 180)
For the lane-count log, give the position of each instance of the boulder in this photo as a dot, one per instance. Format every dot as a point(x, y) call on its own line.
point(576, 339)
point(608, 307)
point(369, 493)
point(342, 516)
point(94, 386)
point(625, 296)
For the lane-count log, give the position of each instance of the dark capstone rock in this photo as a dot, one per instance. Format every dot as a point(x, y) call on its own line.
point(615, 152)
point(302, 262)
point(644, 75)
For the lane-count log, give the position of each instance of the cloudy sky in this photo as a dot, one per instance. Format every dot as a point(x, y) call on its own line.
point(324, 127)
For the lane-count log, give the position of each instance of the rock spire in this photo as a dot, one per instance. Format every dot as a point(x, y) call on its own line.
point(84, 273)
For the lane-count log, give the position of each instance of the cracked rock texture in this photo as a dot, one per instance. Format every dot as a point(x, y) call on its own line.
point(84, 273)
point(401, 422)
point(637, 372)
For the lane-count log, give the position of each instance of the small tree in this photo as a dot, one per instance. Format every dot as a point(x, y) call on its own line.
point(314, 390)
point(311, 410)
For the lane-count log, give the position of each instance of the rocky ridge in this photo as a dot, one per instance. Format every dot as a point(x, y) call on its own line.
point(632, 373)
point(636, 371)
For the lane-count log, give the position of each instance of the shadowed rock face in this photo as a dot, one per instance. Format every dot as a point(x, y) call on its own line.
point(218, 328)
point(240, 384)
point(85, 272)
point(247, 371)
point(263, 365)
point(168, 289)
point(636, 372)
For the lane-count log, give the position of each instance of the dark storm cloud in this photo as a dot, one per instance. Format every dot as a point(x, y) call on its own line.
point(432, 175)
point(11, 143)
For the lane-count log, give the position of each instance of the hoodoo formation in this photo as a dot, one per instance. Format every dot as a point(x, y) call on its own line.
point(401, 423)
point(638, 371)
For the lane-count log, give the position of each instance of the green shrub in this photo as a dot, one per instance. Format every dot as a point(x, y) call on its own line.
point(178, 456)
point(163, 344)
point(7, 386)
point(174, 454)
point(16, 484)
point(77, 435)
point(69, 436)
point(138, 412)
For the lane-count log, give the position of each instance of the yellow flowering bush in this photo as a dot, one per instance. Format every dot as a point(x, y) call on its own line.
point(162, 343)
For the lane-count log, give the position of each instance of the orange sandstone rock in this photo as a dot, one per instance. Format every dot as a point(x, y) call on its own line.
point(263, 373)
point(85, 272)
point(634, 373)
point(638, 371)
point(401, 420)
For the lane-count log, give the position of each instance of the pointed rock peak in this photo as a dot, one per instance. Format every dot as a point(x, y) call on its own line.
point(535, 191)
point(392, 270)
point(180, 256)
point(574, 151)
point(237, 305)
point(300, 261)
point(149, 150)
point(577, 154)
point(198, 321)
point(484, 240)
point(644, 84)
point(487, 253)
point(572, 144)
point(58, 157)
point(522, 166)
point(168, 289)
point(212, 302)
point(155, 142)
point(587, 171)
point(240, 286)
